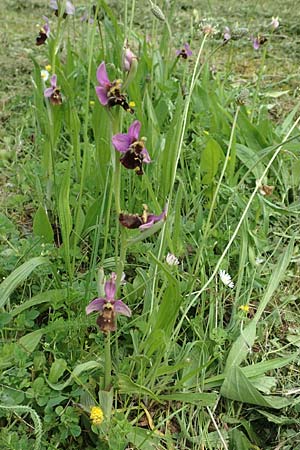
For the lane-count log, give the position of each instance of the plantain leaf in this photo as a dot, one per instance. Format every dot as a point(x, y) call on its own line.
point(18, 276)
point(30, 341)
point(210, 158)
point(42, 226)
point(236, 386)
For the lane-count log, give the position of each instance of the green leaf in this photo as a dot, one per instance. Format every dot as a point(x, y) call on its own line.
point(240, 348)
point(237, 387)
point(18, 276)
point(127, 386)
point(106, 402)
point(55, 297)
point(42, 226)
point(57, 369)
point(239, 441)
point(210, 158)
point(90, 365)
point(31, 340)
point(195, 398)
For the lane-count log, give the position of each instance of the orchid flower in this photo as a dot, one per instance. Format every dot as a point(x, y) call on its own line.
point(108, 307)
point(53, 92)
point(133, 149)
point(109, 92)
point(142, 221)
point(70, 8)
point(44, 32)
point(185, 52)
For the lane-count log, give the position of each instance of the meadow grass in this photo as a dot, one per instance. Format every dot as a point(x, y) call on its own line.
point(192, 341)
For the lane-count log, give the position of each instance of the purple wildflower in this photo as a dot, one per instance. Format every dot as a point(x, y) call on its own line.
point(108, 307)
point(142, 221)
point(109, 92)
point(133, 149)
point(185, 52)
point(86, 17)
point(70, 8)
point(258, 41)
point(53, 92)
point(227, 34)
point(128, 57)
point(44, 32)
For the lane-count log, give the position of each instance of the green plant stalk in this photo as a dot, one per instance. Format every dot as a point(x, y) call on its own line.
point(258, 83)
point(107, 362)
point(85, 135)
point(231, 240)
point(216, 192)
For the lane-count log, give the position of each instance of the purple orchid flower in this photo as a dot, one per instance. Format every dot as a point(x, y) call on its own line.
point(143, 221)
point(227, 34)
point(109, 92)
point(53, 92)
point(128, 57)
point(133, 149)
point(86, 18)
point(70, 8)
point(108, 307)
point(44, 32)
point(185, 52)
point(258, 41)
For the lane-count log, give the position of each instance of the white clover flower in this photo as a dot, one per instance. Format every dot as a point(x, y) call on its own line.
point(172, 260)
point(226, 278)
point(44, 74)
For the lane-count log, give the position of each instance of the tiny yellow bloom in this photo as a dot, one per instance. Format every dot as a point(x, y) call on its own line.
point(206, 132)
point(96, 415)
point(48, 67)
point(244, 308)
point(131, 104)
point(92, 102)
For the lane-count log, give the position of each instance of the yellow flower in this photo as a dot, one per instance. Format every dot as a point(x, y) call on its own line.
point(131, 104)
point(48, 67)
point(96, 415)
point(92, 102)
point(244, 308)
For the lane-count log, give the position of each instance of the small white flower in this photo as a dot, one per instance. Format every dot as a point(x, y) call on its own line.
point(44, 74)
point(226, 278)
point(274, 23)
point(172, 260)
point(259, 260)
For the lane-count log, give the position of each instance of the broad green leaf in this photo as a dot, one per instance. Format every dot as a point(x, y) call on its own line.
point(31, 340)
point(106, 402)
point(210, 158)
point(251, 159)
point(239, 441)
point(18, 276)
point(88, 366)
point(143, 439)
point(42, 226)
point(57, 369)
point(240, 348)
point(55, 297)
point(65, 217)
point(236, 386)
point(279, 420)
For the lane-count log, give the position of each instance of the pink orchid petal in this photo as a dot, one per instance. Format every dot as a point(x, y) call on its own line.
point(102, 95)
point(48, 92)
point(121, 142)
point(121, 308)
point(147, 225)
point(70, 8)
point(146, 156)
point(53, 81)
point(95, 305)
point(134, 131)
point(102, 76)
point(110, 288)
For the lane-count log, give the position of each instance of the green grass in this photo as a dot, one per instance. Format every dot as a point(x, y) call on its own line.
point(198, 365)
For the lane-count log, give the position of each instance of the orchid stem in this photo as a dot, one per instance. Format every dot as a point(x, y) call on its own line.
point(107, 362)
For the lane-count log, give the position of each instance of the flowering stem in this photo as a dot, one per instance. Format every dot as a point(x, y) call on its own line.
point(258, 83)
point(107, 362)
